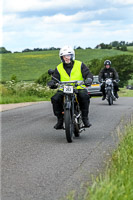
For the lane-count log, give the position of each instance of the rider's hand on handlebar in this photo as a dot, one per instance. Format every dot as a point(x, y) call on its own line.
point(117, 80)
point(88, 82)
point(101, 80)
point(52, 84)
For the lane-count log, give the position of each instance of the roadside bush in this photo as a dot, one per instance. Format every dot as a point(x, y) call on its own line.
point(43, 79)
point(29, 89)
point(3, 90)
point(14, 78)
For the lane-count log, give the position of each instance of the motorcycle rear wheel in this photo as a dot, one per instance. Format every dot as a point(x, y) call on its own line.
point(76, 129)
point(76, 121)
point(68, 125)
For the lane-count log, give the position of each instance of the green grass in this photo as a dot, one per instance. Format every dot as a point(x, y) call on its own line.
point(117, 182)
point(12, 92)
point(27, 66)
point(130, 49)
point(125, 92)
point(31, 65)
point(24, 92)
point(21, 99)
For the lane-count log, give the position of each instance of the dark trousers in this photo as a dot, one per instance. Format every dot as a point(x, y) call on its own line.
point(83, 99)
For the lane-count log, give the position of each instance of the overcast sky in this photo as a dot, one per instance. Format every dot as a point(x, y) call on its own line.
point(55, 23)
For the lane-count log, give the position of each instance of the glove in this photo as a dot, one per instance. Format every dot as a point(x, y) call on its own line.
point(88, 82)
point(117, 80)
point(51, 84)
point(100, 80)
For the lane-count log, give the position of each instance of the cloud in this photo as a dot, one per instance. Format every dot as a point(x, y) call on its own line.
point(30, 5)
point(37, 23)
point(15, 21)
point(39, 32)
point(59, 6)
point(122, 2)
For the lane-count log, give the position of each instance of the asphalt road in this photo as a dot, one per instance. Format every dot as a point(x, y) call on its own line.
point(37, 161)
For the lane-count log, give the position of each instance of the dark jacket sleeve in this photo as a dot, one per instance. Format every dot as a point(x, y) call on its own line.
point(116, 76)
point(56, 75)
point(86, 72)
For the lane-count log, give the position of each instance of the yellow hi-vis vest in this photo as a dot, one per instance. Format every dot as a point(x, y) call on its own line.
point(75, 74)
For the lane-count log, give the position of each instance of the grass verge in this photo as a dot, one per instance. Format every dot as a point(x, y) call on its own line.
point(21, 99)
point(125, 92)
point(117, 181)
point(12, 92)
point(24, 92)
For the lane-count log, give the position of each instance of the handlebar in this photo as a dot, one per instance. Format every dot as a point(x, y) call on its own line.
point(76, 83)
point(61, 83)
point(67, 82)
point(103, 81)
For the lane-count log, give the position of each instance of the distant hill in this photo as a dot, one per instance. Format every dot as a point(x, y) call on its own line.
point(29, 66)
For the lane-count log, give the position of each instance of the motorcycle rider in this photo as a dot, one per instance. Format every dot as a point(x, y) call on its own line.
point(70, 69)
point(108, 72)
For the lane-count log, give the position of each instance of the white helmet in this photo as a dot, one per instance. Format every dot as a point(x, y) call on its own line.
point(67, 50)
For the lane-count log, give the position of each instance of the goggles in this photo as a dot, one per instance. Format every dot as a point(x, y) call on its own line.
point(67, 56)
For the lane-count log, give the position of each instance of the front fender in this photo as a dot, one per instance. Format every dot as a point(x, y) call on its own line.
point(67, 105)
point(108, 88)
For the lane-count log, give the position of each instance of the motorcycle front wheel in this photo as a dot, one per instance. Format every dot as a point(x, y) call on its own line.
point(68, 125)
point(110, 98)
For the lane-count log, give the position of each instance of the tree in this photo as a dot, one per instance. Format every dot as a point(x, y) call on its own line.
point(122, 63)
point(103, 46)
point(114, 43)
point(3, 50)
point(88, 48)
point(124, 48)
point(79, 47)
point(122, 43)
point(27, 50)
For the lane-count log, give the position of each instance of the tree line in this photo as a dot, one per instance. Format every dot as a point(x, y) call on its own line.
point(122, 45)
point(115, 44)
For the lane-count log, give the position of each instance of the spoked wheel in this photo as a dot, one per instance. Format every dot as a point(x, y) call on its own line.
point(76, 127)
point(68, 125)
point(110, 98)
point(77, 123)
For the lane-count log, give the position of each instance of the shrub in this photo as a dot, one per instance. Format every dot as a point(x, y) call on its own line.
point(29, 89)
point(122, 63)
point(14, 78)
point(43, 79)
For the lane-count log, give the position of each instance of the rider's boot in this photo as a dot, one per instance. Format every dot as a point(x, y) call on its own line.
point(116, 95)
point(86, 122)
point(59, 124)
point(85, 119)
point(104, 96)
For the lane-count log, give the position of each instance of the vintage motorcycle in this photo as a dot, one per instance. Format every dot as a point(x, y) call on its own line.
point(109, 90)
point(72, 114)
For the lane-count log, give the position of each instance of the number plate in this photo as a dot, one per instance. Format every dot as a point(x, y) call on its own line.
point(68, 89)
point(95, 85)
